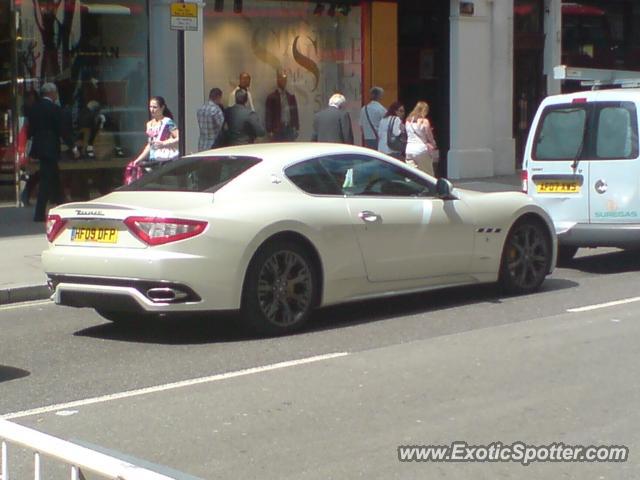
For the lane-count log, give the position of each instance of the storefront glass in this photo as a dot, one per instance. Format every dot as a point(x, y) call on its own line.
point(97, 55)
point(317, 44)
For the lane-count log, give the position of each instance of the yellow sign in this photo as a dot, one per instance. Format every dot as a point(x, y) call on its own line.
point(184, 10)
point(184, 16)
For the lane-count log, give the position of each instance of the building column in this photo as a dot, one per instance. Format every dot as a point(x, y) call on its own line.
point(552, 43)
point(482, 143)
point(163, 46)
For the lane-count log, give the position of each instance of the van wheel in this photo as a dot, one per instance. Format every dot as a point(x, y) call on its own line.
point(526, 257)
point(566, 254)
point(280, 289)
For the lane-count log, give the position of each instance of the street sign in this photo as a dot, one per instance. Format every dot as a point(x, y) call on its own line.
point(184, 16)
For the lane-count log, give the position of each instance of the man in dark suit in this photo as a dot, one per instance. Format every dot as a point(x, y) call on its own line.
point(45, 129)
point(243, 124)
point(333, 124)
point(281, 117)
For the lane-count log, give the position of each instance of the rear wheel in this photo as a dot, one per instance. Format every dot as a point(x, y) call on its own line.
point(526, 257)
point(280, 289)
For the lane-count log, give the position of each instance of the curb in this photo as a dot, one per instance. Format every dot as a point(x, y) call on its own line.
point(24, 294)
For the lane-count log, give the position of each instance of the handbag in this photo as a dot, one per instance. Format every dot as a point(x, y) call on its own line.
point(396, 143)
point(132, 172)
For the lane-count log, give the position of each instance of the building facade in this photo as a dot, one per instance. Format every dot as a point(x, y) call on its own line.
point(482, 65)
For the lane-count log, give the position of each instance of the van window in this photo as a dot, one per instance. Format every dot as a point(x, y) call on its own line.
point(612, 132)
point(561, 133)
point(616, 133)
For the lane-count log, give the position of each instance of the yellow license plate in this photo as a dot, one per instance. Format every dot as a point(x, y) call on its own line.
point(557, 187)
point(94, 234)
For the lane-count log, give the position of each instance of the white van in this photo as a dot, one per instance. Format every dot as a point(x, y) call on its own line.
point(581, 163)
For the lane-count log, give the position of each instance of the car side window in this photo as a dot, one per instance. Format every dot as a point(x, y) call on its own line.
point(312, 178)
point(362, 175)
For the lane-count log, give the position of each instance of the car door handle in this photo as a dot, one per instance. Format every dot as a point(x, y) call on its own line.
point(368, 216)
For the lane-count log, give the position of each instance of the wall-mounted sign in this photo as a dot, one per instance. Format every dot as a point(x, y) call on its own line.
point(466, 8)
point(184, 16)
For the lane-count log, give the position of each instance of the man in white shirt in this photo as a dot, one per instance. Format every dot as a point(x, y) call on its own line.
point(244, 82)
point(370, 116)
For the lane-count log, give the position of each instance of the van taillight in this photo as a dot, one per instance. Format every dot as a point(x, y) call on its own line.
point(579, 100)
point(524, 177)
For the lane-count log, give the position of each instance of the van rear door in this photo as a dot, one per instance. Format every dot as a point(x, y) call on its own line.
point(614, 167)
point(556, 177)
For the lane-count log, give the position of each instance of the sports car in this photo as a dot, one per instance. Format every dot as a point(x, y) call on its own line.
point(276, 230)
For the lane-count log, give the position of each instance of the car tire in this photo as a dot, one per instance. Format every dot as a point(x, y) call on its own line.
point(280, 289)
point(566, 254)
point(526, 257)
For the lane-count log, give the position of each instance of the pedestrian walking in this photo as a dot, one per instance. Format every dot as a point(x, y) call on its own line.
point(392, 137)
point(243, 123)
point(422, 151)
point(370, 116)
point(210, 120)
point(45, 130)
point(244, 82)
point(333, 124)
point(162, 135)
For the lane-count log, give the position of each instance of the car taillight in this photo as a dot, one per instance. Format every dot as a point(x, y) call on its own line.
point(55, 224)
point(158, 231)
point(524, 177)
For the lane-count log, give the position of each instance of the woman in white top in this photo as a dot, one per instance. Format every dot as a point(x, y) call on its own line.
point(420, 141)
point(391, 125)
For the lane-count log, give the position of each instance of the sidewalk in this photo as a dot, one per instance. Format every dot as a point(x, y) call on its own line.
point(22, 240)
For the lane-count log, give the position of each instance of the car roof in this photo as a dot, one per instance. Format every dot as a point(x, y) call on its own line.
point(284, 153)
point(595, 95)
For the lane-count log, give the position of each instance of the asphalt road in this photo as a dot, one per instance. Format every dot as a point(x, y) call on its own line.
point(461, 364)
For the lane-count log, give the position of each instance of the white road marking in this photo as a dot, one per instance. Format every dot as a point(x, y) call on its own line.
point(13, 306)
point(171, 386)
point(604, 305)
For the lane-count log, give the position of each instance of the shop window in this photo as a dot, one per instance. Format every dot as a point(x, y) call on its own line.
point(96, 53)
point(318, 48)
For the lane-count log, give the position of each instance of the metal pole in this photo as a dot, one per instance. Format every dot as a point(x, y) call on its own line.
point(36, 466)
point(181, 91)
point(5, 466)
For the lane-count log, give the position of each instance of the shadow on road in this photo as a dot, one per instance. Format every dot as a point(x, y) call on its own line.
point(220, 328)
point(606, 263)
point(11, 373)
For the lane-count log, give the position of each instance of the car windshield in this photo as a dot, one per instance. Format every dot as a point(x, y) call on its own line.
point(193, 174)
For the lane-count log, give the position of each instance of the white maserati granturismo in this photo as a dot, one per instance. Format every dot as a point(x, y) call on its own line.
point(276, 230)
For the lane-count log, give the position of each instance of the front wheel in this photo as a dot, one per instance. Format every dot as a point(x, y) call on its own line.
point(280, 289)
point(526, 257)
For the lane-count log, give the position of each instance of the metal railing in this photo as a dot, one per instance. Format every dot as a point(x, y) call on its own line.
point(78, 458)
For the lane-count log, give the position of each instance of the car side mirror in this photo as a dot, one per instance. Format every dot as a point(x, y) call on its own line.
point(444, 188)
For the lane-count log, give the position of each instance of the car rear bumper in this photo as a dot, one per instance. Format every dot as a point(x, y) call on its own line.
point(153, 280)
point(122, 294)
point(601, 235)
